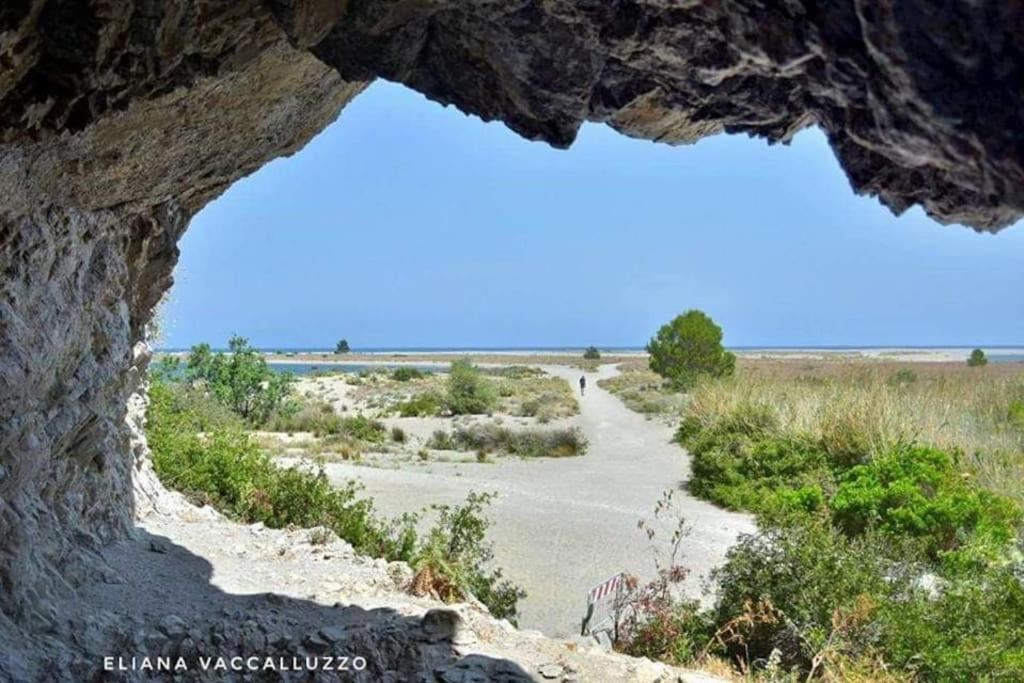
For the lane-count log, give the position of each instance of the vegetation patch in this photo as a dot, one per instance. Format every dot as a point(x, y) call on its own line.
point(201, 446)
point(448, 562)
point(644, 391)
point(525, 443)
point(887, 550)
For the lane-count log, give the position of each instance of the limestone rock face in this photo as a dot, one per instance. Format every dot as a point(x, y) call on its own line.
point(921, 101)
point(119, 119)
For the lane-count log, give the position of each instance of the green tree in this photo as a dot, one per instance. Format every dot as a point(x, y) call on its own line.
point(977, 359)
point(592, 353)
point(342, 346)
point(242, 380)
point(687, 347)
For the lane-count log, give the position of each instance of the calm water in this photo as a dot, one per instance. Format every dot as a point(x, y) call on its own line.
point(309, 368)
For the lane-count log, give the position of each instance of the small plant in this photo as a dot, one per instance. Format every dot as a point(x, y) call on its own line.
point(422, 405)
point(454, 560)
point(423, 454)
point(320, 536)
point(903, 377)
point(592, 353)
point(977, 359)
point(406, 374)
point(398, 435)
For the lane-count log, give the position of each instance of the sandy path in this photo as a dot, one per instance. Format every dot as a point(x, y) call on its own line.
point(561, 526)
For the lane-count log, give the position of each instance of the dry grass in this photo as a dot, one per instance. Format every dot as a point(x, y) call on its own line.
point(544, 397)
point(644, 391)
point(871, 404)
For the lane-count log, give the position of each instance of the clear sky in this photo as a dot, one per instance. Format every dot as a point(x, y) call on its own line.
point(406, 224)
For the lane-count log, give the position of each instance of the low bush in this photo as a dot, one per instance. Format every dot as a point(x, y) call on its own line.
point(526, 443)
point(398, 435)
point(451, 562)
point(469, 393)
point(744, 462)
point(592, 353)
point(405, 374)
point(422, 405)
point(917, 492)
point(321, 420)
point(226, 469)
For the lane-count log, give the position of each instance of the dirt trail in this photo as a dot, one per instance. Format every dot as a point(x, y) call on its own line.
point(562, 525)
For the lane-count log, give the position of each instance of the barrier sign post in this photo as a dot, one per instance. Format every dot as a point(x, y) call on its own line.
point(609, 588)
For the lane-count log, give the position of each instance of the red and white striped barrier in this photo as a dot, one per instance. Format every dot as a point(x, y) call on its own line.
point(603, 590)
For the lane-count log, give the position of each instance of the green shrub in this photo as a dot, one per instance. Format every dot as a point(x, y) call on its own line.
point(742, 461)
point(405, 374)
point(426, 404)
point(469, 393)
point(398, 435)
point(916, 491)
point(363, 428)
point(592, 353)
point(454, 560)
point(226, 469)
point(977, 359)
point(785, 586)
point(526, 443)
point(842, 601)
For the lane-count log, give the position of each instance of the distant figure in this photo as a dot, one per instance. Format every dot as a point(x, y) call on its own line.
point(583, 385)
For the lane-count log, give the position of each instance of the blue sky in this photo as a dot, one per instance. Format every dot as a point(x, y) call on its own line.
point(406, 224)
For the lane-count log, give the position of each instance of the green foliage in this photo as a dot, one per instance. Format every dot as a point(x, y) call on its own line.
point(744, 462)
point(526, 443)
point(688, 347)
point(209, 458)
point(453, 559)
point(1015, 414)
point(241, 380)
point(806, 572)
point(342, 346)
point(837, 601)
point(917, 492)
point(320, 418)
point(225, 468)
point(398, 435)
point(426, 404)
point(469, 393)
point(977, 359)
point(872, 557)
point(592, 353)
point(903, 377)
point(405, 374)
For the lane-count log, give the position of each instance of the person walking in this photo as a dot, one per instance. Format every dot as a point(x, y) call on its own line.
point(583, 384)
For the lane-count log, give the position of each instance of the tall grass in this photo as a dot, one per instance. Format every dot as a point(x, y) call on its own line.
point(861, 408)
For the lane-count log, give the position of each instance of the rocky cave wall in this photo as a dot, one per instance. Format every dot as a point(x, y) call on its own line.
point(119, 119)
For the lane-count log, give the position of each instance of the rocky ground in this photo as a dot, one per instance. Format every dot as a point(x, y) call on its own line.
point(200, 591)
